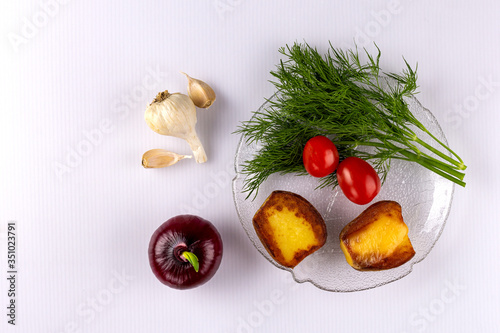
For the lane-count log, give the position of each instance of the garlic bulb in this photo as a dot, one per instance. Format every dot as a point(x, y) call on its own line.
point(201, 93)
point(175, 115)
point(161, 158)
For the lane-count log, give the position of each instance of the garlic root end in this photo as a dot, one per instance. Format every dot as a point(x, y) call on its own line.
point(198, 151)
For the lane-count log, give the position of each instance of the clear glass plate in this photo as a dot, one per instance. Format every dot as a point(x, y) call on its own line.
point(424, 196)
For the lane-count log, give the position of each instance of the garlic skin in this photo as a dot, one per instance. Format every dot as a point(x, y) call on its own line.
point(201, 93)
point(161, 158)
point(175, 115)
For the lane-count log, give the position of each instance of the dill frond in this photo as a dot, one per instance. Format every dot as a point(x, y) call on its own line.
point(353, 103)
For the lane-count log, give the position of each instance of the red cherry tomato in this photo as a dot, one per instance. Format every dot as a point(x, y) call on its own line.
point(358, 180)
point(320, 156)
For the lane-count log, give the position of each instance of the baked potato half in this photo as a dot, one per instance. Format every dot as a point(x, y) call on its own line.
point(377, 239)
point(289, 227)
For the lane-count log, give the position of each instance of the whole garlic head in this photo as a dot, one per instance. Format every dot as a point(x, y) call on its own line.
point(175, 115)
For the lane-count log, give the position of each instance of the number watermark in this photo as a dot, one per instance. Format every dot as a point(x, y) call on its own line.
point(11, 272)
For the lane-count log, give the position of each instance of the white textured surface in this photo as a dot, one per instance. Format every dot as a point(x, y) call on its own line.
point(91, 67)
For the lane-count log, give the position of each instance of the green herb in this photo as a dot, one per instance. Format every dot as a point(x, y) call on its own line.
point(339, 96)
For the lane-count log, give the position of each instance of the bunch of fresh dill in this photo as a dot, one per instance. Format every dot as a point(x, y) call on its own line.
point(338, 96)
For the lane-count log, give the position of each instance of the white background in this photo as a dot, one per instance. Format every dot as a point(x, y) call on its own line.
point(84, 221)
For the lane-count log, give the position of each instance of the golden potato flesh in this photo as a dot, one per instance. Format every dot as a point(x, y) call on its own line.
point(289, 227)
point(377, 239)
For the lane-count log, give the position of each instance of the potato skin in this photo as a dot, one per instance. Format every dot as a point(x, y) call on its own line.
point(370, 214)
point(303, 209)
point(401, 254)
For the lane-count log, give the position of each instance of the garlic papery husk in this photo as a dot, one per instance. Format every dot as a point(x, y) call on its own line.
point(201, 93)
point(161, 158)
point(175, 115)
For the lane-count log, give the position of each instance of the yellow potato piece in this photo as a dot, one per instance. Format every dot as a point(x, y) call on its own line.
point(289, 227)
point(293, 233)
point(377, 239)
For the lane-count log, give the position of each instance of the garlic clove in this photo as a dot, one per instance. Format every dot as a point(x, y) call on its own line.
point(201, 93)
point(161, 158)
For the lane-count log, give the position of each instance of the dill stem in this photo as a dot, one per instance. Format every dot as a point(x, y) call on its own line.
point(459, 164)
point(440, 172)
point(419, 155)
point(444, 170)
point(413, 137)
point(421, 158)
